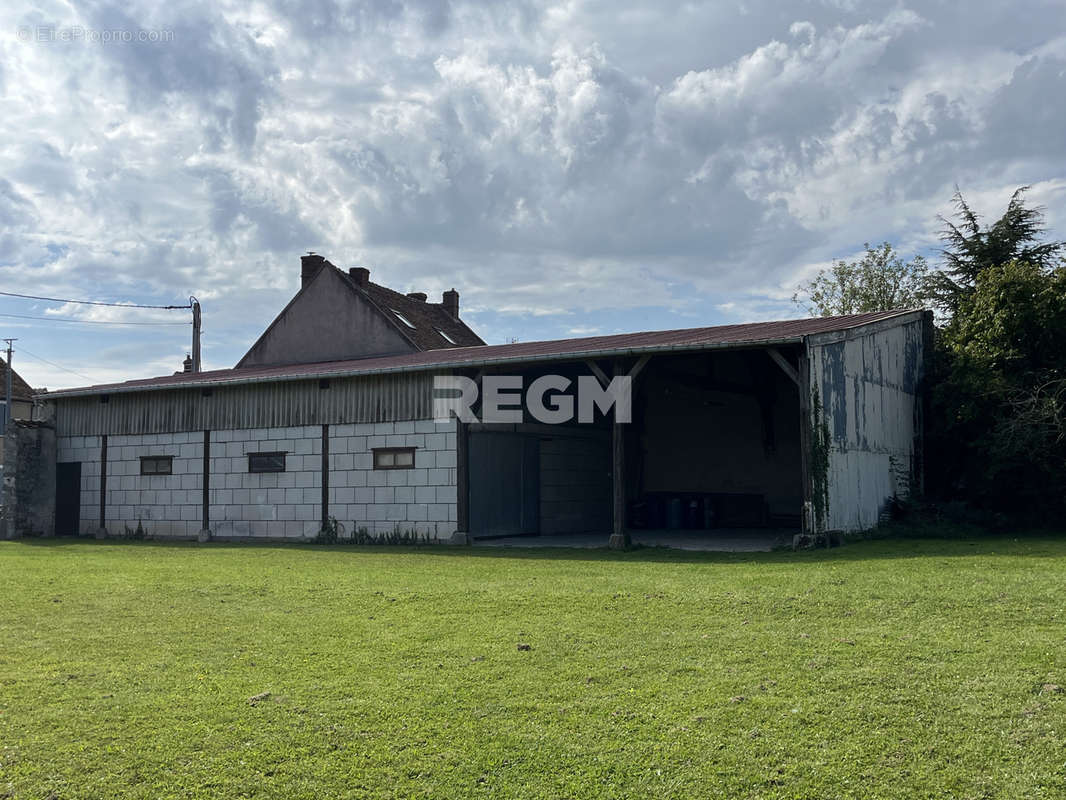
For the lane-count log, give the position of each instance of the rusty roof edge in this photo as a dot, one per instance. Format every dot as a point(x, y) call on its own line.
point(570, 355)
point(447, 365)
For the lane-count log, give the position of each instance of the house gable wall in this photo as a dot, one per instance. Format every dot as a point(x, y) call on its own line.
point(326, 321)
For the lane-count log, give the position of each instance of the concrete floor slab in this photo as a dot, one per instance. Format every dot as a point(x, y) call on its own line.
point(729, 540)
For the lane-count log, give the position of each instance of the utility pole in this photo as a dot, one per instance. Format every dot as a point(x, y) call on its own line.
point(195, 334)
point(8, 415)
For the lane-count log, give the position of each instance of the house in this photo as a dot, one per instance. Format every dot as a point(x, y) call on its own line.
point(812, 424)
point(21, 394)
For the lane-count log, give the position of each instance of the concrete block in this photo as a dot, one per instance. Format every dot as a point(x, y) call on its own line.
point(405, 494)
point(384, 494)
point(396, 477)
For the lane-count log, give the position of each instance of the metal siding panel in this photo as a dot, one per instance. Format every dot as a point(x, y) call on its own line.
point(379, 398)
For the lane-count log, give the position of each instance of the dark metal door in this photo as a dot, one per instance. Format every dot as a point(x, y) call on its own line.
point(68, 498)
point(504, 484)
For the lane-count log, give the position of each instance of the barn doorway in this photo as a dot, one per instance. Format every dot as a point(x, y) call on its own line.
point(504, 483)
point(68, 498)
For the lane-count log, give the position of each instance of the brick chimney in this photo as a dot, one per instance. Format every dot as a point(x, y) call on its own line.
point(309, 267)
point(419, 296)
point(451, 303)
point(360, 275)
point(186, 365)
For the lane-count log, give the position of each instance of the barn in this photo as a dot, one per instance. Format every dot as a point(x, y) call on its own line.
point(803, 425)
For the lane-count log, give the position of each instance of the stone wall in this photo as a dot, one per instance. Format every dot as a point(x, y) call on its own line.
point(29, 480)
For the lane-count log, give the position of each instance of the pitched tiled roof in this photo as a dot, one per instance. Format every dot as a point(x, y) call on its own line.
point(720, 336)
point(20, 390)
point(430, 327)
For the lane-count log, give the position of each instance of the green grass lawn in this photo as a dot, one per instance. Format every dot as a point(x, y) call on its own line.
point(910, 668)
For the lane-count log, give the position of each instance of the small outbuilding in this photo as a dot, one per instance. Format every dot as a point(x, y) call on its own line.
point(803, 425)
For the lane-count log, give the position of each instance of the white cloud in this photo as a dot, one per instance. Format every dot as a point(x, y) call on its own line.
point(567, 166)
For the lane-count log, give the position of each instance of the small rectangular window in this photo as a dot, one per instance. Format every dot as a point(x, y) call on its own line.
point(157, 465)
point(266, 462)
point(394, 458)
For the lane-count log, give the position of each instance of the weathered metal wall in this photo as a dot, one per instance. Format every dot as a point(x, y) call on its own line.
point(866, 387)
point(278, 404)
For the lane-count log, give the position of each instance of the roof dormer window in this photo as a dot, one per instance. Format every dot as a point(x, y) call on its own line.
point(403, 319)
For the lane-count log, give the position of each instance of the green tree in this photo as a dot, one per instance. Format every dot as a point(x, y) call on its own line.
point(969, 249)
point(879, 281)
point(998, 427)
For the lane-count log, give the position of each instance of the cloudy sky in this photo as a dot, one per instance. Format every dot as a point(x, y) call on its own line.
point(572, 168)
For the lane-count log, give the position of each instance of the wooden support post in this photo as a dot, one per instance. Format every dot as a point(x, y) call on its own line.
point(806, 422)
point(325, 476)
point(619, 535)
point(101, 531)
point(462, 480)
point(205, 513)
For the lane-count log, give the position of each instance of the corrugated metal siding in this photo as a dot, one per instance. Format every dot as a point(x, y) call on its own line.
point(376, 398)
point(869, 388)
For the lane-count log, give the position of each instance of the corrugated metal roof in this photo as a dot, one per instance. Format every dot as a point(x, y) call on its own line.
point(719, 336)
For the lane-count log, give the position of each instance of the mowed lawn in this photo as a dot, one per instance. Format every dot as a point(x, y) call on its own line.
point(910, 668)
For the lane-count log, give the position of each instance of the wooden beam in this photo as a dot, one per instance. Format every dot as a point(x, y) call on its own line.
point(205, 498)
point(806, 421)
point(601, 376)
point(325, 476)
point(619, 535)
point(783, 362)
point(641, 363)
point(462, 477)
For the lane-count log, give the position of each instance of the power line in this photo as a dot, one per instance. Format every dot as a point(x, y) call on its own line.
point(89, 302)
point(88, 321)
point(23, 350)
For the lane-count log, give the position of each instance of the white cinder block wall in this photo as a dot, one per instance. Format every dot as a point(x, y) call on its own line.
point(274, 505)
point(422, 499)
point(164, 505)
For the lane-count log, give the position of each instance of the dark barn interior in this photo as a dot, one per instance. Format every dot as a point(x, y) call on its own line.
point(714, 445)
